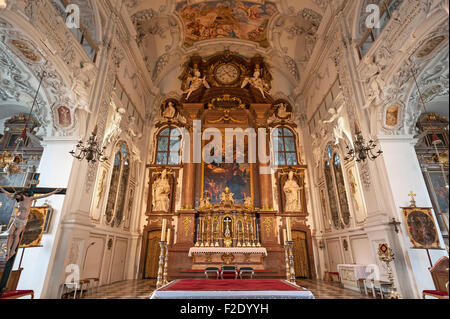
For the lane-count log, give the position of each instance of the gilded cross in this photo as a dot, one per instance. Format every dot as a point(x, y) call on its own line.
point(412, 195)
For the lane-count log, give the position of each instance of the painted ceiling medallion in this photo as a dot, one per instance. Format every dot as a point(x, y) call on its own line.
point(26, 50)
point(429, 46)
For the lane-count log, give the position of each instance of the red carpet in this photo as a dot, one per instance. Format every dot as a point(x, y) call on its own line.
point(230, 285)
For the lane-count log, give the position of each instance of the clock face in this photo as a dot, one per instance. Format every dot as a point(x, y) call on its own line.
point(227, 73)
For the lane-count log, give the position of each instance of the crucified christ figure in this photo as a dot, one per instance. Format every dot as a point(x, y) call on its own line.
point(19, 223)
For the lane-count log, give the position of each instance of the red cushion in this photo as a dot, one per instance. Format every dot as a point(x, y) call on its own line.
point(14, 293)
point(436, 292)
point(334, 273)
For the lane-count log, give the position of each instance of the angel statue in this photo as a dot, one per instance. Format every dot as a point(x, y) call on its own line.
point(195, 82)
point(256, 81)
point(334, 114)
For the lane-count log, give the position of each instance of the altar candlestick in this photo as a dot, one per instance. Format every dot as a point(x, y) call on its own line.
point(288, 226)
point(168, 236)
point(284, 237)
point(163, 230)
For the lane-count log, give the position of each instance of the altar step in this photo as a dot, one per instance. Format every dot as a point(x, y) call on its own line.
point(200, 273)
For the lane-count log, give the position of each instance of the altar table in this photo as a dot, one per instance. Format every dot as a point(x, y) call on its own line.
point(231, 289)
point(203, 257)
point(350, 273)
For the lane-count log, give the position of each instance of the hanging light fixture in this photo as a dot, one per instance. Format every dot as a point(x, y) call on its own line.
point(90, 150)
point(362, 150)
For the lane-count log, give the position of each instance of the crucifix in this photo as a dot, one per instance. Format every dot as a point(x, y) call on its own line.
point(395, 223)
point(412, 195)
point(24, 197)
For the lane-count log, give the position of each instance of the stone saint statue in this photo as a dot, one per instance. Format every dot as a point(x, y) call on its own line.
point(170, 110)
point(195, 82)
point(114, 129)
point(375, 81)
point(161, 189)
point(256, 81)
point(81, 86)
point(292, 193)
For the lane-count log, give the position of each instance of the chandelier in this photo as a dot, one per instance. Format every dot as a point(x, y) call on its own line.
point(362, 150)
point(90, 150)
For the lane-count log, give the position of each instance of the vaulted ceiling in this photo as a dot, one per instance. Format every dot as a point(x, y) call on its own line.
point(283, 31)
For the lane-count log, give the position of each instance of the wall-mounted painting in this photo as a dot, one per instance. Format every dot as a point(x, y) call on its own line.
point(440, 191)
point(421, 228)
point(245, 20)
point(38, 224)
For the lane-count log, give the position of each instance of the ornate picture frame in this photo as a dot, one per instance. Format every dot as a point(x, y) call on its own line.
point(421, 227)
point(38, 224)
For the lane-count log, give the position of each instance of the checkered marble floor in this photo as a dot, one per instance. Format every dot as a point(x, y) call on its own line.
point(329, 290)
point(142, 289)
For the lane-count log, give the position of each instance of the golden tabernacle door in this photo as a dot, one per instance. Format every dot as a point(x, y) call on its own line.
point(300, 251)
point(152, 254)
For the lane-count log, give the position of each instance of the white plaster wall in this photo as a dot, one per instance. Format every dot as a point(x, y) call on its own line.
point(55, 167)
point(404, 174)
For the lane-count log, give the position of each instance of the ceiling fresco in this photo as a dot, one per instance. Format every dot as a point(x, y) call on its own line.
point(228, 19)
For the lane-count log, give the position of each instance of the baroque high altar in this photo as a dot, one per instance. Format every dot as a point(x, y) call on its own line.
point(231, 211)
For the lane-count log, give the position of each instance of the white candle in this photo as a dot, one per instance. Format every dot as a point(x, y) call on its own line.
point(163, 230)
point(288, 226)
point(168, 236)
point(284, 236)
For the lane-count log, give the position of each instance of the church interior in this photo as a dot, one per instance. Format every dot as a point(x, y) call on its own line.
point(194, 149)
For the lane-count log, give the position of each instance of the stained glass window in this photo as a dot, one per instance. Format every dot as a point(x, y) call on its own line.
point(342, 194)
point(332, 195)
point(285, 151)
point(169, 147)
point(337, 194)
point(118, 188)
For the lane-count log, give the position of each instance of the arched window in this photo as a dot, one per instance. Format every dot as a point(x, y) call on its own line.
point(285, 151)
point(168, 147)
point(118, 187)
point(337, 194)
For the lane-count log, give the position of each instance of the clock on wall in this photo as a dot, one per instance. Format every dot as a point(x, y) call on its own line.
point(227, 73)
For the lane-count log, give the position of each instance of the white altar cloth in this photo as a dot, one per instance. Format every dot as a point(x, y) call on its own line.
point(350, 273)
point(229, 250)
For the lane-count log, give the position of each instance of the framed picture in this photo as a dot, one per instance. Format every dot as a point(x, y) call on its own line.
point(421, 228)
point(38, 224)
point(439, 193)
